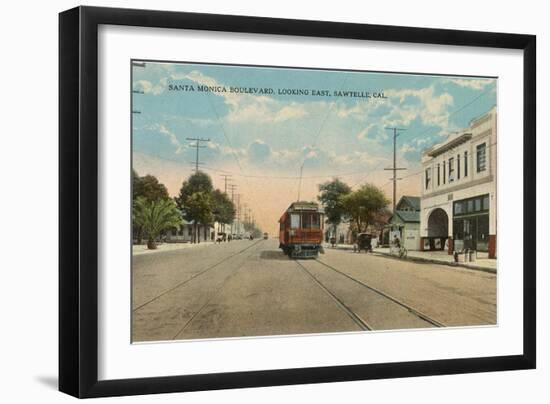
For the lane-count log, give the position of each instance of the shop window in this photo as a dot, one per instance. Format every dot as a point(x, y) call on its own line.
point(486, 202)
point(471, 205)
point(459, 208)
point(477, 204)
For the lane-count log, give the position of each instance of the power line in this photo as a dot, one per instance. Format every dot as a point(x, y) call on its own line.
point(224, 132)
point(319, 134)
point(457, 110)
point(395, 168)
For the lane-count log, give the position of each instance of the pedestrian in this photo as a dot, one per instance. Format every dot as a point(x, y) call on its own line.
point(396, 241)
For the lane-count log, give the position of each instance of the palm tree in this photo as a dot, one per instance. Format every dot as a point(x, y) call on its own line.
point(155, 216)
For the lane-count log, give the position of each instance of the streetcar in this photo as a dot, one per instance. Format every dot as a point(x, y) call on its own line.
point(301, 230)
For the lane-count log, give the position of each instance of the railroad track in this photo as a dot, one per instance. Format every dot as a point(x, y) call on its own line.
point(352, 313)
point(204, 271)
point(214, 294)
point(362, 323)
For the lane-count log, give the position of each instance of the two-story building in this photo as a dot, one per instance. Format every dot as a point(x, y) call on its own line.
point(458, 201)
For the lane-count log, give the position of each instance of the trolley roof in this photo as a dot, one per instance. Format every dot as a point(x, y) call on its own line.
point(303, 205)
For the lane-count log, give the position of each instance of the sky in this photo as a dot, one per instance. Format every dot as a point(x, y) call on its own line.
point(280, 132)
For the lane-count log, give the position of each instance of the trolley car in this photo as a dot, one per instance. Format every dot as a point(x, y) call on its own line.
point(301, 230)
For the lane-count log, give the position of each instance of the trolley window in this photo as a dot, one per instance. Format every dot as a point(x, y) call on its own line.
point(311, 221)
point(294, 221)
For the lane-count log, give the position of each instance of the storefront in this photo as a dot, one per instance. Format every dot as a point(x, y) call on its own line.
point(471, 223)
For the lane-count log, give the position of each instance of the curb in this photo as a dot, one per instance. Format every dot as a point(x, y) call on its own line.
point(440, 262)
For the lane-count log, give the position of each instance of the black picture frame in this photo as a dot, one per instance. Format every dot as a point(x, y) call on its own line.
point(78, 200)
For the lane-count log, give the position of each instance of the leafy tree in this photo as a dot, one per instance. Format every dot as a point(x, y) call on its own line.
point(148, 187)
point(363, 205)
point(199, 207)
point(155, 216)
point(330, 196)
point(197, 183)
point(151, 189)
point(224, 209)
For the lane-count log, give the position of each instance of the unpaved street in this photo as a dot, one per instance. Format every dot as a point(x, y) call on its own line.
point(249, 288)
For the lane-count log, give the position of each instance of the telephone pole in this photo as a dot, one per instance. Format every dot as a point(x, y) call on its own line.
point(245, 212)
point(395, 168)
point(232, 187)
point(197, 146)
point(238, 196)
point(225, 177)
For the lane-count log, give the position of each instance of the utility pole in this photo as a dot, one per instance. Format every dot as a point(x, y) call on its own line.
point(238, 213)
point(232, 187)
point(395, 168)
point(300, 182)
point(225, 177)
point(197, 147)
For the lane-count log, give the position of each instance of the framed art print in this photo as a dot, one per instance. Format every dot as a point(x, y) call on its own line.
point(248, 201)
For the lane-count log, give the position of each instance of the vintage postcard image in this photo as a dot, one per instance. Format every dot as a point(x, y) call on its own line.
point(280, 201)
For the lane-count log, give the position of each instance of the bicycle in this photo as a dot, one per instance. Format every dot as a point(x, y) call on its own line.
point(400, 251)
point(403, 252)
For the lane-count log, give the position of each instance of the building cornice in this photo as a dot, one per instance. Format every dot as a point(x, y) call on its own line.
point(469, 184)
point(451, 144)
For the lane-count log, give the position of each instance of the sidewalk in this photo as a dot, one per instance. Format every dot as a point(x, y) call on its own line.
point(138, 249)
point(434, 257)
point(442, 257)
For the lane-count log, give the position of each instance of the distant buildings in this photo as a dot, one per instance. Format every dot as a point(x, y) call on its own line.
point(185, 233)
point(458, 203)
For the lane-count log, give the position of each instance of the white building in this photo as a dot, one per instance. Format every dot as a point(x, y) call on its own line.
point(405, 222)
point(458, 202)
point(185, 233)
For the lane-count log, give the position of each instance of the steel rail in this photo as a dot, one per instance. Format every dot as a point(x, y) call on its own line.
point(341, 305)
point(411, 309)
point(195, 276)
point(215, 294)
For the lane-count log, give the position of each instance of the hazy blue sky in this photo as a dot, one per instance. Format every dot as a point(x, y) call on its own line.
point(272, 135)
